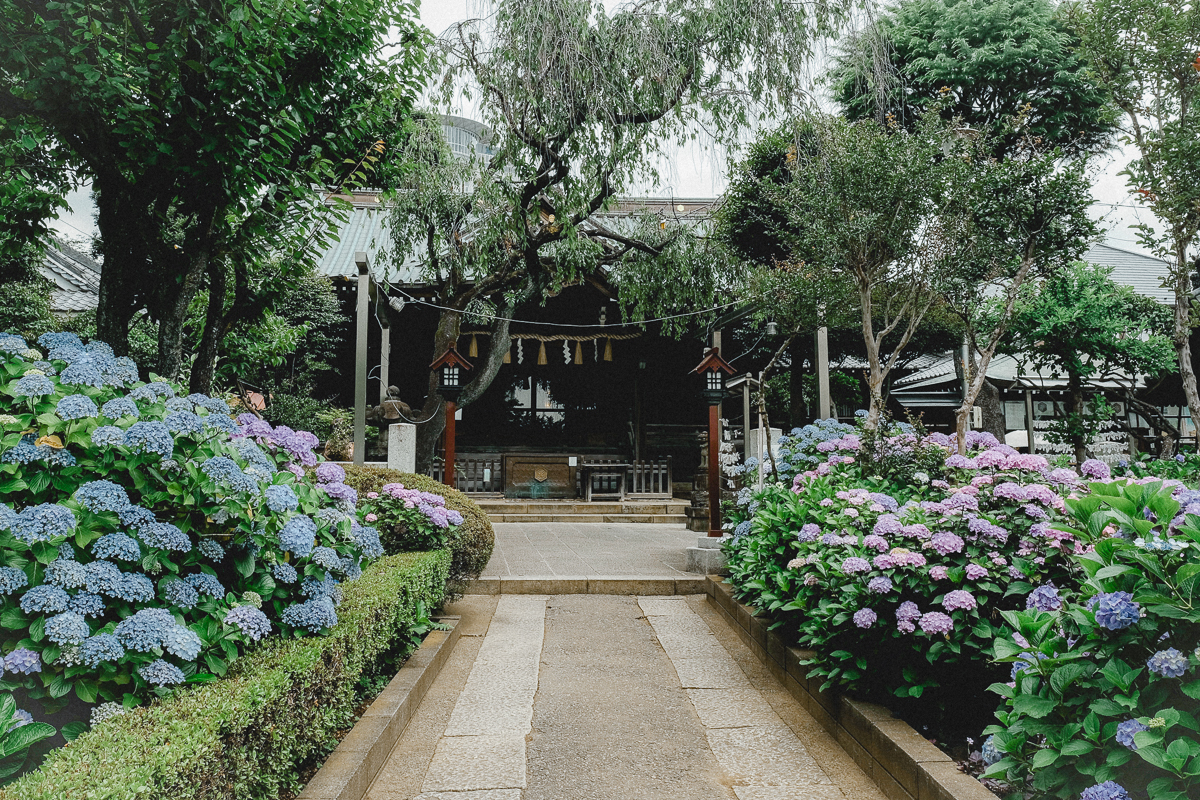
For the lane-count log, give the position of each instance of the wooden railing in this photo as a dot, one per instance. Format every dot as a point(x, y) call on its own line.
point(482, 475)
point(650, 478)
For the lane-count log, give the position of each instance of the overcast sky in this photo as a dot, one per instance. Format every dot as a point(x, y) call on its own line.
point(693, 173)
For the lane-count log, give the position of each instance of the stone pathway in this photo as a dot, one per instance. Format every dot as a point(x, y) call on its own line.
point(597, 696)
point(551, 549)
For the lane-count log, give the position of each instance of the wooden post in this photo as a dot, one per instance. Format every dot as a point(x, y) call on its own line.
point(824, 403)
point(385, 356)
point(1029, 419)
point(451, 407)
point(714, 469)
point(360, 361)
point(746, 418)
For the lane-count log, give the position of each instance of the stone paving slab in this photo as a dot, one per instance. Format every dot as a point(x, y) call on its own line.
point(464, 763)
point(560, 549)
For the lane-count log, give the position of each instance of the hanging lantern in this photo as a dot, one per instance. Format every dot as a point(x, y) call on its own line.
point(542, 355)
point(450, 366)
point(608, 349)
point(578, 352)
point(473, 352)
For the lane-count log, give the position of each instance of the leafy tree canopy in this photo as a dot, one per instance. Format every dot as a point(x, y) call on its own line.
point(980, 61)
point(203, 127)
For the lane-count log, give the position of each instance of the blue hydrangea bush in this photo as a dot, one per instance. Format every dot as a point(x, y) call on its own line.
point(147, 538)
point(1105, 690)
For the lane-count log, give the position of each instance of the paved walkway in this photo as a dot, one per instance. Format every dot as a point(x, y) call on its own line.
point(550, 549)
point(585, 696)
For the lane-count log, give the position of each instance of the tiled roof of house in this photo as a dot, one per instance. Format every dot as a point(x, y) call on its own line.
point(76, 278)
point(1145, 274)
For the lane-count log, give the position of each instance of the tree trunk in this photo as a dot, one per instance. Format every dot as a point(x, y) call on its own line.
point(174, 317)
point(125, 263)
point(433, 413)
point(1078, 436)
point(963, 414)
point(875, 374)
point(1181, 334)
point(993, 410)
point(205, 366)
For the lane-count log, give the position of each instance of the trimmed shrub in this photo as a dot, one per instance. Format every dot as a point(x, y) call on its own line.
point(245, 735)
point(471, 542)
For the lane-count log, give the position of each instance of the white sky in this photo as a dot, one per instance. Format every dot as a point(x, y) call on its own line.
point(692, 173)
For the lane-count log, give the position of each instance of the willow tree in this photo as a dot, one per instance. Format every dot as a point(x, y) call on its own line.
point(583, 102)
point(1145, 55)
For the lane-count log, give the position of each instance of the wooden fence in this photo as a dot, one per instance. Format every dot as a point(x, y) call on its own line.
point(642, 479)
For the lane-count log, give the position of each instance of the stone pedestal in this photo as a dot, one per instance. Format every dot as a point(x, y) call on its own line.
point(402, 447)
point(706, 557)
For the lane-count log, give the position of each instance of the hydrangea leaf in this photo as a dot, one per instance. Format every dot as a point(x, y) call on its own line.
point(1034, 706)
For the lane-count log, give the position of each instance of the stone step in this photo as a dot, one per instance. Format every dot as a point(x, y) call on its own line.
point(557, 508)
point(673, 519)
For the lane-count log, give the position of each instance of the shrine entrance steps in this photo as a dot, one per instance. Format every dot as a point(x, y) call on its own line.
point(577, 511)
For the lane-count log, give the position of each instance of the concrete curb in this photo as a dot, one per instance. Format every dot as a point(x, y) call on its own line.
point(567, 584)
point(898, 759)
point(348, 772)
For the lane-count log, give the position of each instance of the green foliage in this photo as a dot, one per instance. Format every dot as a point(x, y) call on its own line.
point(1182, 467)
point(1144, 55)
point(24, 292)
point(244, 737)
point(1079, 324)
point(1059, 722)
point(980, 62)
point(154, 494)
point(472, 541)
point(17, 736)
point(204, 128)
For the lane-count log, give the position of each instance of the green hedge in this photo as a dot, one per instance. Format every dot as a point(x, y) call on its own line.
point(243, 737)
point(472, 542)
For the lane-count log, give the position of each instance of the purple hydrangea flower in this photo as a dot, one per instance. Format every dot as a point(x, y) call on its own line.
point(958, 599)
point(1115, 610)
point(875, 542)
point(1109, 790)
point(1044, 598)
point(854, 565)
point(340, 491)
point(328, 472)
point(1169, 663)
point(879, 585)
point(936, 622)
point(976, 572)
point(1126, 731)
point(808, 532)
point(865, 618)
point(888, 525)
point(1093, 468)
point(946, 543)
point(1011, 491)
point(24, 661)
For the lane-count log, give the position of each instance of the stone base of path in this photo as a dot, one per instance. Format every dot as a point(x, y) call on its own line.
point(601, 584)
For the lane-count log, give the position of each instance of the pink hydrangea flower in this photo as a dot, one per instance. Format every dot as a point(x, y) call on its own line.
point(371, 517)
point(825, 502)
point(907, 612)
point(851, 512)
point(854, 565)
point(946, 543)
point(975, 572)
point(938, 573)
